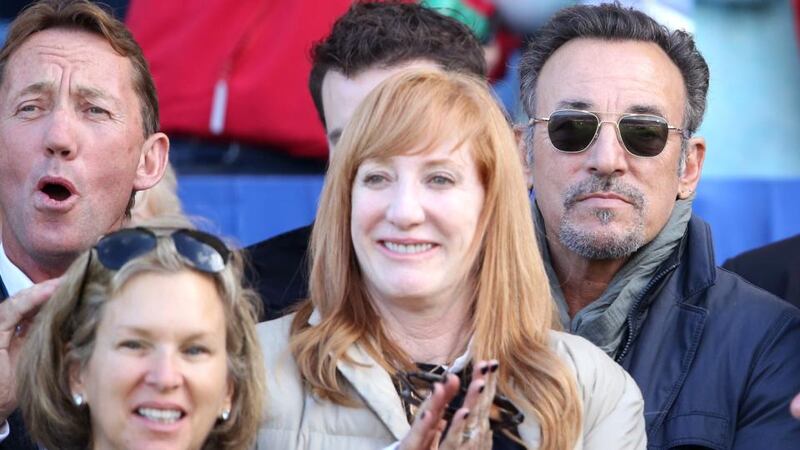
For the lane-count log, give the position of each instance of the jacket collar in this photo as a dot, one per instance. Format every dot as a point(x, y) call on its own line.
point(376, 389)
point(694, 264)
point(14, 279)
point(698, 269)
point(676, 319)
point(373, 384)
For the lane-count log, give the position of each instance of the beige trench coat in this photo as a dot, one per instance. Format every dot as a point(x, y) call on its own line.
point(295, 419)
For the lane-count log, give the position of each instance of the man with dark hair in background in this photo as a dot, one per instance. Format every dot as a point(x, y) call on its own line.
point(78, 137)
point(368, 44)
point(614, 100)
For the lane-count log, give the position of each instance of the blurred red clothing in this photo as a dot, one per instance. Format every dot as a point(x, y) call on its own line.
point(260, 48)
point(796, 4)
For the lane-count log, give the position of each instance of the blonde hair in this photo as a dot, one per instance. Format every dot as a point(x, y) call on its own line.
point(158, 201)
point(64, 335)
point(511, 311)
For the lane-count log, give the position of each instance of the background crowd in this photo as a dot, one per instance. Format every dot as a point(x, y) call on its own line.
point(237, 175)
point(433, 297)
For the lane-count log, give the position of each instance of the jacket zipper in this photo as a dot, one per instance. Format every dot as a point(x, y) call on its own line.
point(630, 319)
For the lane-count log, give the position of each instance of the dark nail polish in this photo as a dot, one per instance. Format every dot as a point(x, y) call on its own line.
point(466, 414)
point(494, 367)
point(484, 370)
point(422, 416)
point(480, 389)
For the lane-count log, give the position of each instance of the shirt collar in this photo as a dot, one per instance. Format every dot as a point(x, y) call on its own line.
point(13, 278)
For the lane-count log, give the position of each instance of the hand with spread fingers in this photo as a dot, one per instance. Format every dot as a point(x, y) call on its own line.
point(16, 313)
point(469, 428)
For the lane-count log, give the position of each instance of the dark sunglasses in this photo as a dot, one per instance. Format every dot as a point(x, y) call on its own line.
point(573, 131)
point(414, 388)
point(202, 251)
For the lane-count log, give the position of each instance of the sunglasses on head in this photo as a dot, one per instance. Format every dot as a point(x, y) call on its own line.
point(202, 251)
point(573, 131)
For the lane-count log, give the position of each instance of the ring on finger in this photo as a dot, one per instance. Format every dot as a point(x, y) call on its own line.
point(469, 434)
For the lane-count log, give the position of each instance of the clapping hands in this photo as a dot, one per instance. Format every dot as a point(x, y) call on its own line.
point(469, 427)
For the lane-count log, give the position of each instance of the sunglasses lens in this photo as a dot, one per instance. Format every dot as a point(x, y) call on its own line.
point(119, 247)
point(644, 135)
point(204, 251)
point(571, 131)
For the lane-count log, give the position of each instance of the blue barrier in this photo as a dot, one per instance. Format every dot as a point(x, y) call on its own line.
point(743, 213)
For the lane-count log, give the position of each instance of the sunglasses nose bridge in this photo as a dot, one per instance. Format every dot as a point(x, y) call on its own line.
point(613, 123)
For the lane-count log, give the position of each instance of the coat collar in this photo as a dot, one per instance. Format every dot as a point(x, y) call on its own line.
point(698, 269)
point(14, 279)
point(675, 316)
point(374, 385)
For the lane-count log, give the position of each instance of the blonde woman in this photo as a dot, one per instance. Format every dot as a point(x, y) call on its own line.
point(424, 264)
point(148, 342)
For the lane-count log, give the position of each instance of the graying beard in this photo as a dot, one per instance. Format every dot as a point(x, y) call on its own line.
point(604, 215)
point(602, 247)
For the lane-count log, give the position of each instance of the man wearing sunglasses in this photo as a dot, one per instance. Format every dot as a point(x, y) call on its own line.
point(614, 100)
point(78, 137)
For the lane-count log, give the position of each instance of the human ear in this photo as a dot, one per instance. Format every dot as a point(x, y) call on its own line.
point(693, 167)
point(152, 161)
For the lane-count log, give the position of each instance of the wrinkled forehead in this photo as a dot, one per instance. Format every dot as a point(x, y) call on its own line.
point(611, 76)
point(79, 60)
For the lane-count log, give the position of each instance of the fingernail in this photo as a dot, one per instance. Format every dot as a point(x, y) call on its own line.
point(494, 367)
point(480, 389)
point(484, 370)
point(422, 416)
point(466, 414)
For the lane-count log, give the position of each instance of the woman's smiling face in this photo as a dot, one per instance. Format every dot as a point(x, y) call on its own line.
point(158, 373)
point(413, 220)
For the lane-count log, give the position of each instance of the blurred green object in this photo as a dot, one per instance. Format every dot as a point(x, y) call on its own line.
point(480, 24)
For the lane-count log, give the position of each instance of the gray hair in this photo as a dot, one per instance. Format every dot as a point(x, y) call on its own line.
point(614, 22)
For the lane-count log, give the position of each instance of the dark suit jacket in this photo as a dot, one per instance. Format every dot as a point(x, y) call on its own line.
point(18, 440)
point(774, 267)
point(278, 269)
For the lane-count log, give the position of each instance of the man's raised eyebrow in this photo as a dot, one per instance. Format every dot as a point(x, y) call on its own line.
point(35, 88)
point(91, 93)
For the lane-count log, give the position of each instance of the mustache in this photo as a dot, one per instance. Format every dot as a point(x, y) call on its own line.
point(595, 184)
